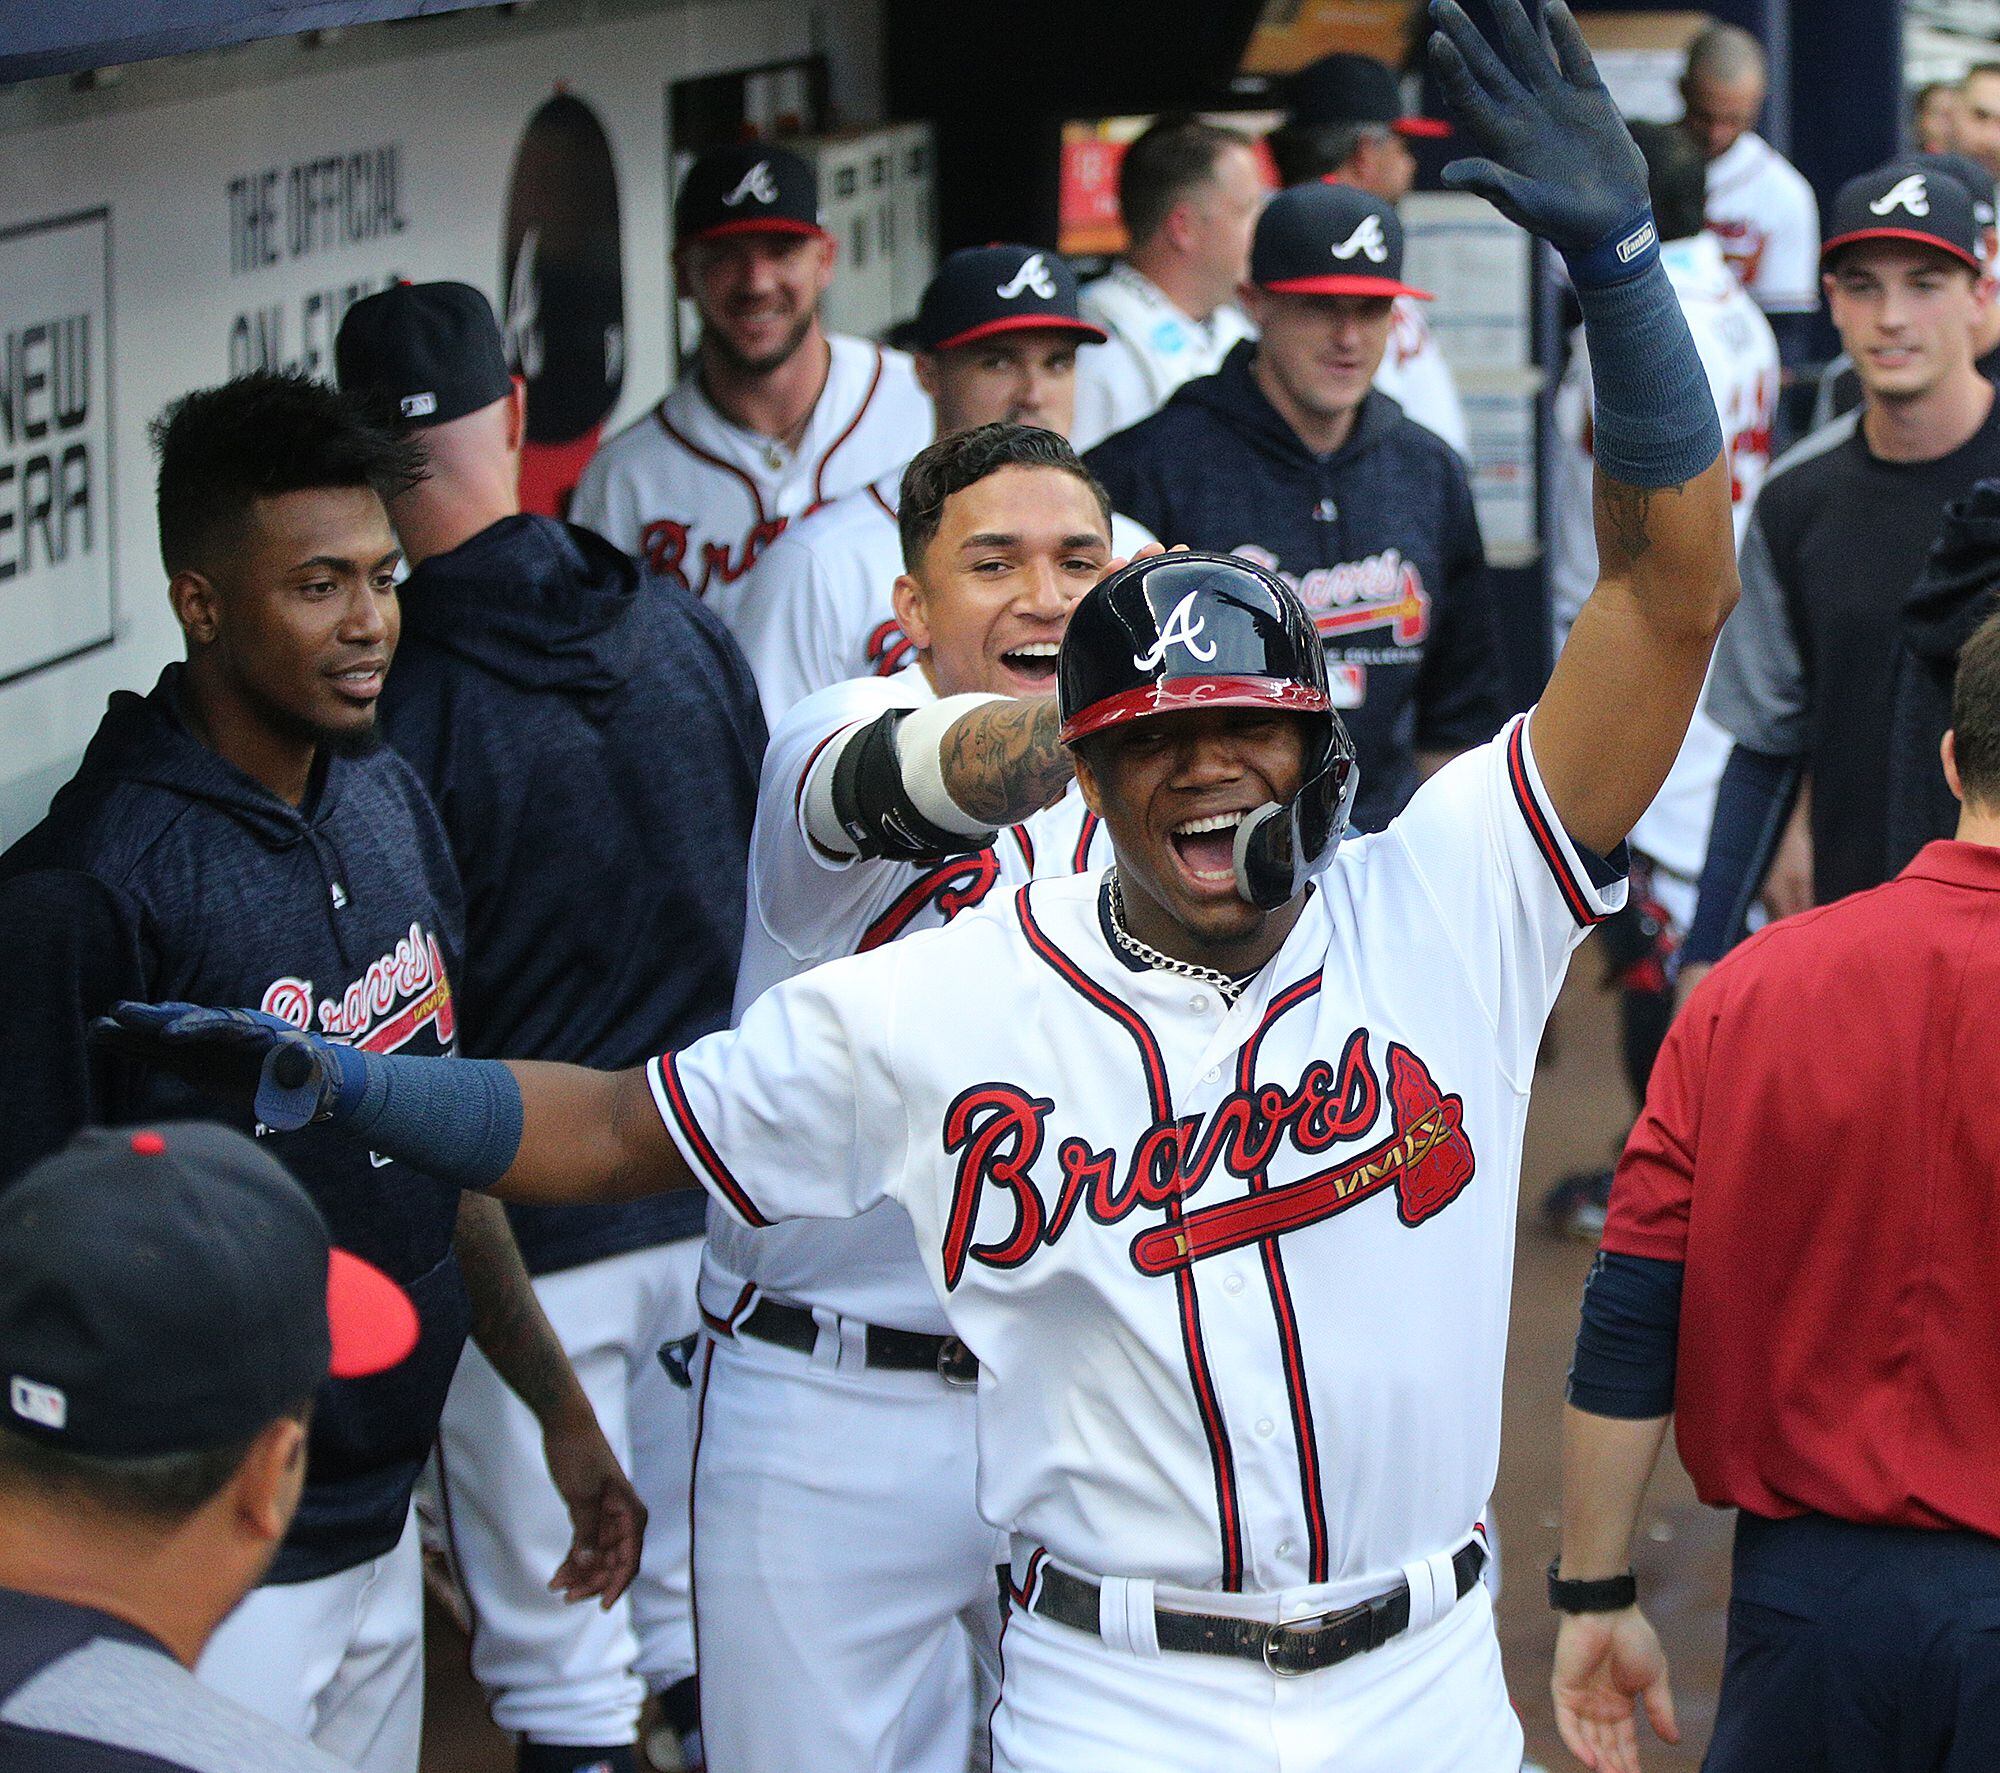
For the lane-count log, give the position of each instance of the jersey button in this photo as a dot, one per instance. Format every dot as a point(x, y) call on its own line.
point(1284, 1548)
point(1212, 1075)
point(1197, 1002)
point(1266, 1427)
point(1233, 1284)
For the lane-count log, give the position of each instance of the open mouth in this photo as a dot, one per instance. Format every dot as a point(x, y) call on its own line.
point(1036, 662)
point(1206, 847)
point(360, 683)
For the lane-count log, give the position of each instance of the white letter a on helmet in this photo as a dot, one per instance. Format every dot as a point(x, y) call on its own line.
point(1182, 628)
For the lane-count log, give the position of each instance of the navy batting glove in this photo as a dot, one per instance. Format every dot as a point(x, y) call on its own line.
point(285, 1076)
point(1558, 157)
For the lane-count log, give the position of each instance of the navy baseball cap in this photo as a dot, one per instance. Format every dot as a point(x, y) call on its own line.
point(428, 352)
point(1969, 173)
point(171, 1290)
point(1901, 202)
point(747, 188)
point(1329, 239)
point(1353, 89)
point(982, 290)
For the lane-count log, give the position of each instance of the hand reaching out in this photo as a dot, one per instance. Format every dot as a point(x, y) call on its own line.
point(1604, 1660)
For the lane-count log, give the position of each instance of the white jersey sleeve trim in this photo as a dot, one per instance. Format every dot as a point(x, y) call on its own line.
point(671, 1099)
point(1587, 902)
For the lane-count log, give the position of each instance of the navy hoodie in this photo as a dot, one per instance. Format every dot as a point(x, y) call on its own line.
point(1379, 539)
point(591, 738)
point(163, 872)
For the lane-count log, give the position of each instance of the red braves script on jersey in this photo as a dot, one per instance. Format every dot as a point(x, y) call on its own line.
point(1001, 1131)
point(398, 994)
point(1236, 1274)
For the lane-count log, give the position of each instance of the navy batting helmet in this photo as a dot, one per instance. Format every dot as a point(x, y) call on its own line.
point(1185, 631)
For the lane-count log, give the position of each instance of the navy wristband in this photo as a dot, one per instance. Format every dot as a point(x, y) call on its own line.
point(1654, 414)
point(456, 1119)
point(1621, 255)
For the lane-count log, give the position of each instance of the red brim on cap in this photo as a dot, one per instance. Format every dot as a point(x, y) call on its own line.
point(757, 225)
point(1434, 129)
point(1345, 284)
point(374, 1324)
point(1092, 335)
point(1180, 694)
point(1915, 236)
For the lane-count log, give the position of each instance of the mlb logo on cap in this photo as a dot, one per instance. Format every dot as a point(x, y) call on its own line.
point(1328, 239)
point(1903, 202)
point(42, 1404)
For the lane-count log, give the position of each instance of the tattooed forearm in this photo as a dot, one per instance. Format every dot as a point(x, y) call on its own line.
point(1004, 760)
point(508, 1323)
point(1621, 518)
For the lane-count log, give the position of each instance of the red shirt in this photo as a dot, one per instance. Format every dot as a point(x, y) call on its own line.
point(1821, 1146)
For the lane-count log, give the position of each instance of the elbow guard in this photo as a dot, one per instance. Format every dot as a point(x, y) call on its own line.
point(878, 811)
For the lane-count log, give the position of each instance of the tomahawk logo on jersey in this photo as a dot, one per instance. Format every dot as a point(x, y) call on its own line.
point(1128, 1193)
point(699, 499)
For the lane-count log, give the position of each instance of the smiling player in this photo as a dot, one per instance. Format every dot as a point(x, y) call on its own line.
point(1214, 1173)
point(775, 416)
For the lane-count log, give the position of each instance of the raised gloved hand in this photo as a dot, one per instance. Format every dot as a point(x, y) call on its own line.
point(1558, 157)
point(284, 1075)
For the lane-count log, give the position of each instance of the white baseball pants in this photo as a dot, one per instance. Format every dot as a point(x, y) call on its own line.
point(576, 1676)
point(1429, 1701)
point(843, 1580)
point(338, 1661)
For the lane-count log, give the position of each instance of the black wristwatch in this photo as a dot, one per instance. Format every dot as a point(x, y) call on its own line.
point(1608, 1594)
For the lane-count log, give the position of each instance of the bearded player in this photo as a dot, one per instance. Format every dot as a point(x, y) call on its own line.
point(1211, 1156)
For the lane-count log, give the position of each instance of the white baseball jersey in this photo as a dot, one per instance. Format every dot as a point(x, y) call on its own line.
point(806, 907)
point(1153, 348)
point(1764, 213)
point(1414, 374)
point(819, 610)
point(698, 498)
point(1237, 1277)
point(1740, 354)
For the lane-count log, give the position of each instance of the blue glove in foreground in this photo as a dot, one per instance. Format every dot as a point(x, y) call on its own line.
point(1561, 162)
point(1563, 165)
point(456, 1119)
point(285, 1076)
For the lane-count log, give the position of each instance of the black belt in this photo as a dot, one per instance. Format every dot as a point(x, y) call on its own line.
point(894, 1351)
point(1299, 1646)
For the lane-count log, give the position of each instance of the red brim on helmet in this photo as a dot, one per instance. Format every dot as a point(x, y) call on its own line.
point(1181, 694)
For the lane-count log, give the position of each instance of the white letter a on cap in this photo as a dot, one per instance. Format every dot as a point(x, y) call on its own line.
point(755, 183)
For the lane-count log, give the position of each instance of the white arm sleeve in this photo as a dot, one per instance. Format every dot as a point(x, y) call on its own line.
point(920, 752)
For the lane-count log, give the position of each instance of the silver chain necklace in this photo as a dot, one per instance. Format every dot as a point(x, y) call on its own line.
point(1231, 989)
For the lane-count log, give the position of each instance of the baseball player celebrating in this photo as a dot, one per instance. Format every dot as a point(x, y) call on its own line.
point(834, 1399)
point(778, 417)
point(997, 336)
point(1140, 1119)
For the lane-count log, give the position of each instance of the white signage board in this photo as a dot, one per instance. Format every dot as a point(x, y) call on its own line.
point(226, 210)
point(57, 596)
